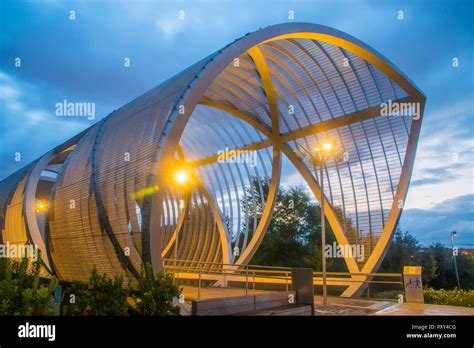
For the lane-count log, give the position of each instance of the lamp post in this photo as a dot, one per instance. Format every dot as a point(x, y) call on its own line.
point(181, 178)
point(323, 232)
point(453, 234)
point(323, 151)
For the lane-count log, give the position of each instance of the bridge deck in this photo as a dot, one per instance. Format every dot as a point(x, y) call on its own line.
point(191, 292)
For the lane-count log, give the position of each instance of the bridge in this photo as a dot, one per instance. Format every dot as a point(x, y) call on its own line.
point(114, 196)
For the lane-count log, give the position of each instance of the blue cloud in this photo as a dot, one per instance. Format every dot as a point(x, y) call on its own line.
point(440, 174)
point(435, 224)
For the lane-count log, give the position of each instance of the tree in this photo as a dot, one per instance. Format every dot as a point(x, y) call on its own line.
point(293, 237)
point(436, 261)
point(445, 274)
point(428, 262)
point(466, 270)
point(403, 251)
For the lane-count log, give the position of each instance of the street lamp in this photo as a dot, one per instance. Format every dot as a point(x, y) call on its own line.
point(454, 234)
point(181, 178)
point(322, 152)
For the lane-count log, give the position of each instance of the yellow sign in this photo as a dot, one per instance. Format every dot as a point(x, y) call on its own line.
point(412, 270)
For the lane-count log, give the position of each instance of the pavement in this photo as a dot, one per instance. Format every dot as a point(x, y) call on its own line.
point(425, 309)
point(350, 306)
point(357, 306)
point(340, 306)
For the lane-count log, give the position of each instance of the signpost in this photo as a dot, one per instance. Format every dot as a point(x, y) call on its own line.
point(413, 284)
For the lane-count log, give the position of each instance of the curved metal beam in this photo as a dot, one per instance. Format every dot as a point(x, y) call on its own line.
point(376, 258)
point(278, 143)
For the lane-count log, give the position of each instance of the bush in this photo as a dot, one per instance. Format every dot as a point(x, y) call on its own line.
point(454, 297)
point(155, 293)
point(386, 294)
point(22, 294)
point(99, 296)
point(20, 290)
point(105, 296)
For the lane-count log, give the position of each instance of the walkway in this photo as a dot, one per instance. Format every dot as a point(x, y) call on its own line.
point(425, 309)
point(337, 306)
point(191, 292)
point(350, 306)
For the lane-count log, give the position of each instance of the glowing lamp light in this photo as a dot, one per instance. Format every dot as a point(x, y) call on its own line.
point(181, 177)
point(327, 146)
point(41, 207)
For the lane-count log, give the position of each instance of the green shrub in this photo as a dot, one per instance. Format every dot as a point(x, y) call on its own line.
point(20, 290)
point(454, 297)
point(99, 296)
point(386, 294)
point(155, 293)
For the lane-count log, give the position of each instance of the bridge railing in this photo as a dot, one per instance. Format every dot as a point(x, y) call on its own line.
point(225, 274)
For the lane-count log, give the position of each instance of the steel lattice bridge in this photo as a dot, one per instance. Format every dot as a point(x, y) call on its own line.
point(104, 197)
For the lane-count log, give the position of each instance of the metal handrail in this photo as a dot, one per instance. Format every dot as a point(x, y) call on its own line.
point(362, 274)
point(285, 276)
point(224, 272)
point(278, 267)
point(267, 272)
point(272, 269)
point(227, 264)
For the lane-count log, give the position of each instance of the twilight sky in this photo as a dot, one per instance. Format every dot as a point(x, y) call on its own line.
point(82, 60)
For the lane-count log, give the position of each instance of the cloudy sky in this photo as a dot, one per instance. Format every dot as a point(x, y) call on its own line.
point(83, 60)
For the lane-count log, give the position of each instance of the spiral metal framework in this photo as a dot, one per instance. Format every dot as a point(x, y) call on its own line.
point(110, 205)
